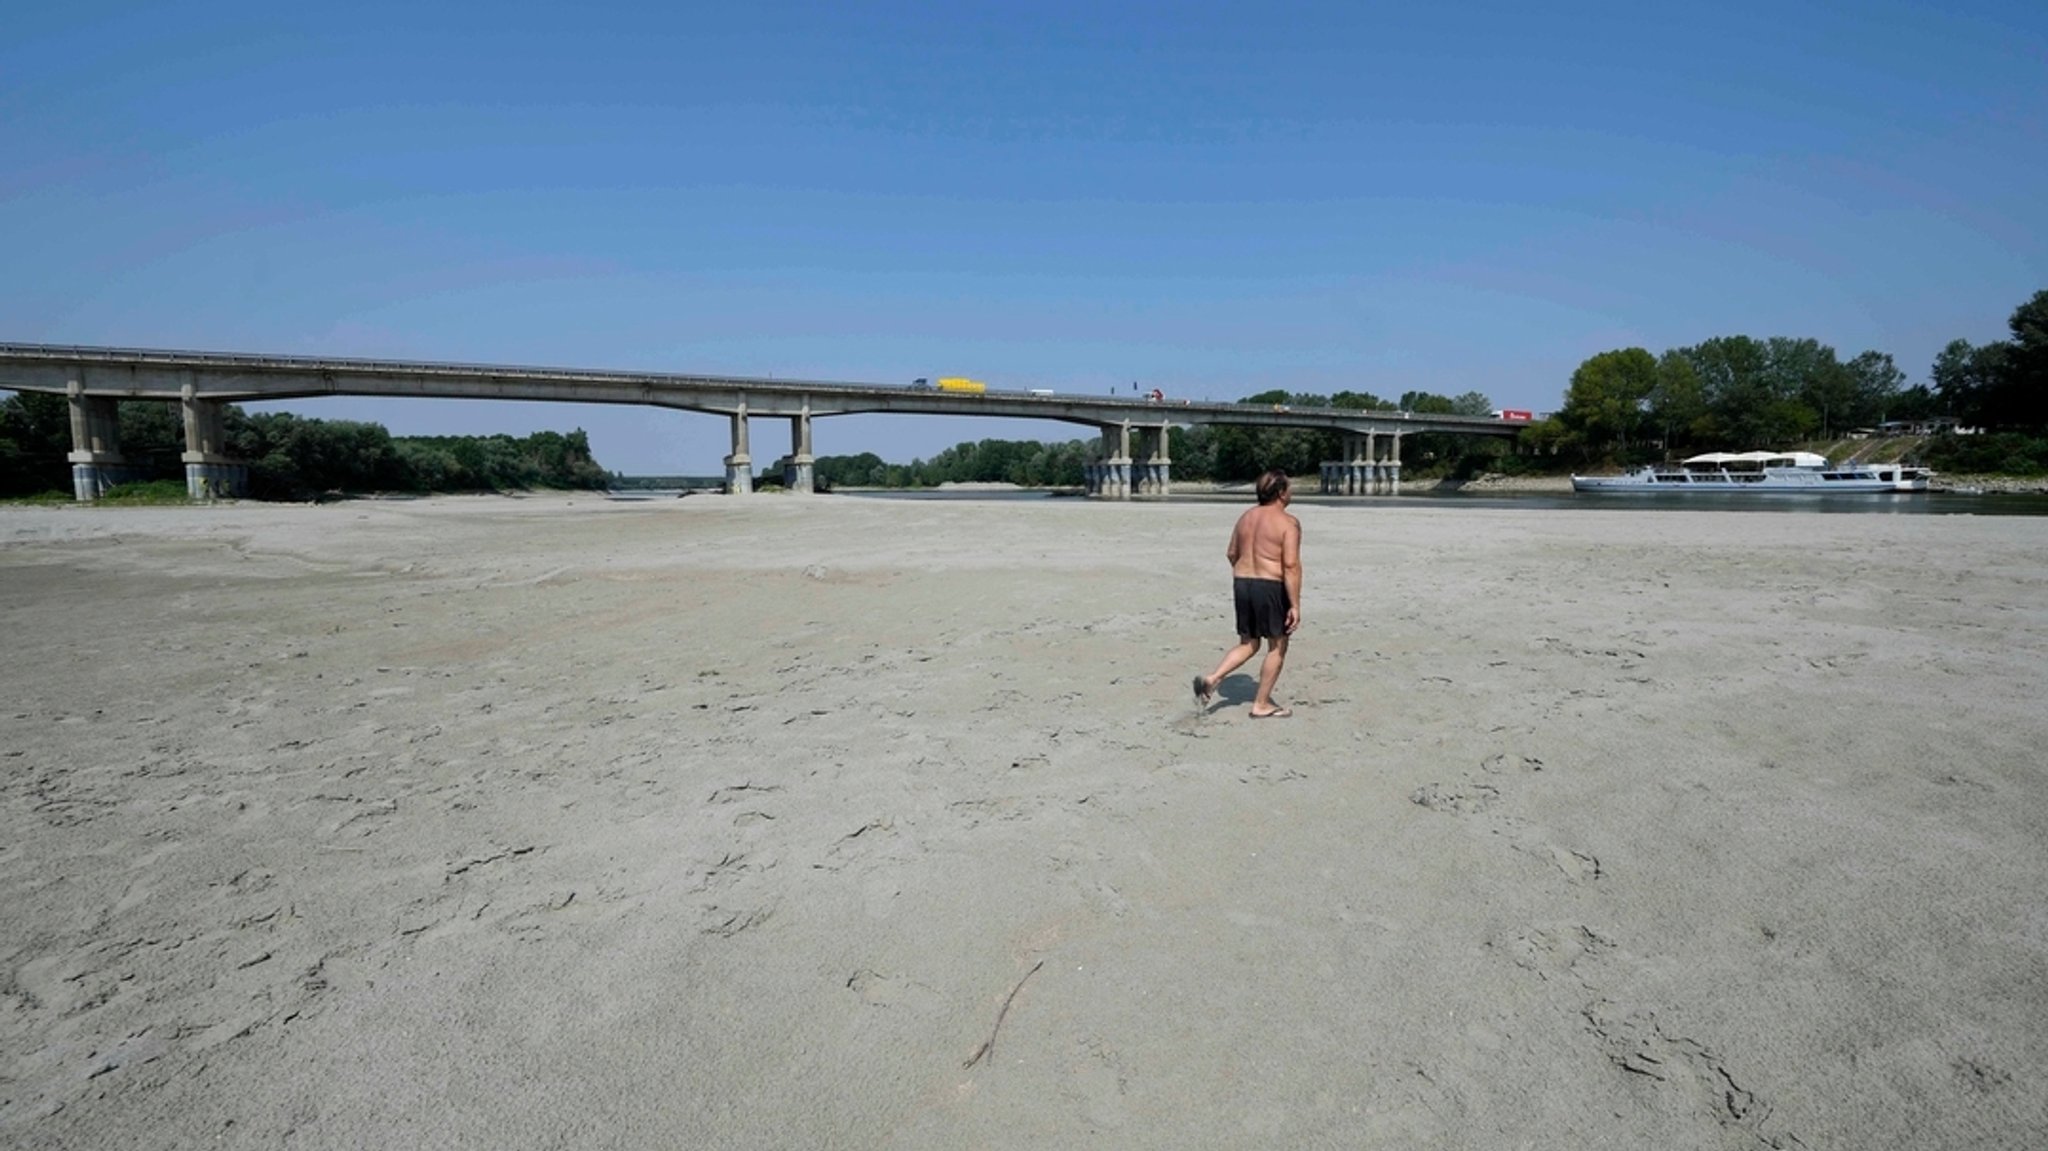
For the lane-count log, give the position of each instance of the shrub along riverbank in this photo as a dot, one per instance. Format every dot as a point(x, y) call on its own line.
point(291, 457)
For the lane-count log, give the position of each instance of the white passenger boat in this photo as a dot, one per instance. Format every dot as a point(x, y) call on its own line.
point(1761, 473)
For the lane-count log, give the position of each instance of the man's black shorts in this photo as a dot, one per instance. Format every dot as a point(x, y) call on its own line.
point(1261, 607)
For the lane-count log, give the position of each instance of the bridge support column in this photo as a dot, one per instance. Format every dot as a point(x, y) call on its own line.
point(1366, 465)
point(209, 473)
point(1338, 478)
point(1116, 467)
point(739, 466)
point(96, 462)
point(798, 475)
point(1154, 475)
point(1393, 467)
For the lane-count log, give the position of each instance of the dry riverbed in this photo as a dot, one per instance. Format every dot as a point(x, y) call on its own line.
point(761, 822)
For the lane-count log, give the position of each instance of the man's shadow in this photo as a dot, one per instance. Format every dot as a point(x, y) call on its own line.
point(1234, 688)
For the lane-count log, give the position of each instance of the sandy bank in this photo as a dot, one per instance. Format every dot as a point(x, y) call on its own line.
point(765, 822)
point(1495, 482)
point(1989, 484)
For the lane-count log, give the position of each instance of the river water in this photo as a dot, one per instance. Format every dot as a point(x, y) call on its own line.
point(1901, 504)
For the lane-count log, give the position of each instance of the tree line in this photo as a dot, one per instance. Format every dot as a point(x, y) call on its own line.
point(1027, 463)
point(1210, 453)
point(293, 457)
point(1623, 406)
point(1739, 393)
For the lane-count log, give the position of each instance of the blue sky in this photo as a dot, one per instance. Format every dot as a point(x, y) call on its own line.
point(1214, 199)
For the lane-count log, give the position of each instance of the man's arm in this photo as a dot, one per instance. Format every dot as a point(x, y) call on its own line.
point(1236, 543)
point(1290, 571)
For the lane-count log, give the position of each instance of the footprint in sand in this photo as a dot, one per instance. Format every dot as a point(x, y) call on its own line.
point(877, 989)
point(1570, 953)
point(1642, 1049)
point(1469, 798)
point(1577, 866)
point(1475, 796)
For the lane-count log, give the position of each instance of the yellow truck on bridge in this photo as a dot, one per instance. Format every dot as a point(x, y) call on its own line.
point(953, 384)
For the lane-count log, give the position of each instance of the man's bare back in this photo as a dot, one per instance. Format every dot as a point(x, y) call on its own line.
point(1266, 544)
point(1258, 545)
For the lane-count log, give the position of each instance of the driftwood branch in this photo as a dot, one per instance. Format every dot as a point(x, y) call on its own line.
point(987, 1050)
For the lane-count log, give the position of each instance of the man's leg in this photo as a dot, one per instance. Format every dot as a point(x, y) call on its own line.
point(1269, 674)
point(1247, 647)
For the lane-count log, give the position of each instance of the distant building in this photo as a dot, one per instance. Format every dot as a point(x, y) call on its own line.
point(1931, 426)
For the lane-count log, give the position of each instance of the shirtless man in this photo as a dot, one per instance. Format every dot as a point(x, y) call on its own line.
point(1265, 558)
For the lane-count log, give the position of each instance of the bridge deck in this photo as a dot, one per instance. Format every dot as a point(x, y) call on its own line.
point(139, 373)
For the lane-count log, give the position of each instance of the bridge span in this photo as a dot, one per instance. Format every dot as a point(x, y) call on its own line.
point(1134, 431)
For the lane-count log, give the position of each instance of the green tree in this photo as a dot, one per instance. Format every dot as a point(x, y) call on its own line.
point(152, 434)
point(2021, 394)
point(1360, 402)
point(1608, 399)
point(1027, 463)
point(1810, 389)
point(1472, 404)
point(1918, 402)
point(1969, 379)
point(1740, 388)
point(291, 457)
point(35, 439)
point(1242, 453)
point(1677, 405)
point(1428, 403)
point(431, 467)
point(2008, 453)
point(1440, 453)
point(1552, 437)
point(1193, 451)
point(863, 470)
point(1876, 385)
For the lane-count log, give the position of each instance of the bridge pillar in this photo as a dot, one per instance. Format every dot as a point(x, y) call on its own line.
point(1154, 474)
point(96, 462)
point(739, 466)
point(1368, 465)
point(1394, 467)
point(1116, 467)
point(209, 473)
point(1335, 474)
point(798, 475)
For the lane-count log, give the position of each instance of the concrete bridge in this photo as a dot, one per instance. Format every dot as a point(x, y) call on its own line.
point(1134, 431)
